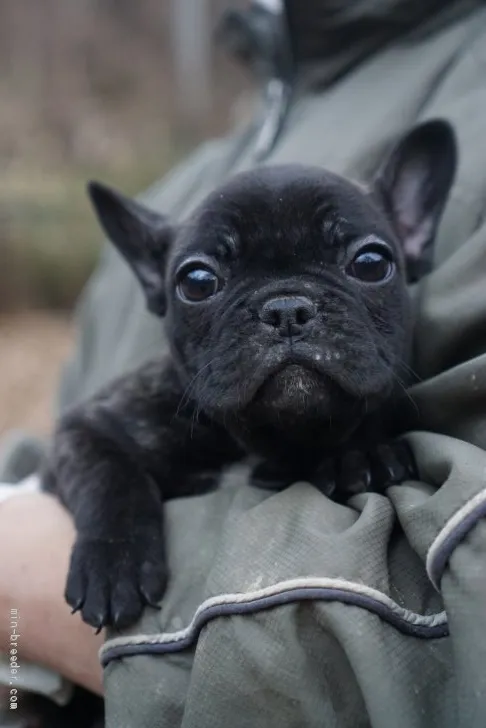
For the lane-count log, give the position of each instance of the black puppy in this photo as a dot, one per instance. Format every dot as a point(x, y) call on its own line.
point(287, 312)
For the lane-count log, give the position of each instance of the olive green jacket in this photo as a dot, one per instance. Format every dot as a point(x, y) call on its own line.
point(287, 609)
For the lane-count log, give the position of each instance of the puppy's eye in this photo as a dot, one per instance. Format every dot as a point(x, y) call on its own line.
point(370, 265)
point(197, 284)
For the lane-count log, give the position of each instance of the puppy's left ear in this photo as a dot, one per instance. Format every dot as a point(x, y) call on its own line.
point(142, 236)
point(413, 187)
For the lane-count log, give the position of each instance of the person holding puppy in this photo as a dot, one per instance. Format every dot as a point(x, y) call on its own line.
point(356, 602)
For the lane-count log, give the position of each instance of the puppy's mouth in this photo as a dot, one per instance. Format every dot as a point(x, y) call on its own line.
point(297, 382)
point(299, 396)
point(297, 391)
point(292, 378)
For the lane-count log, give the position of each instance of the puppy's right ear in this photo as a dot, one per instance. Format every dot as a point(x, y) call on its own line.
point(413, 187)
point(142, 236)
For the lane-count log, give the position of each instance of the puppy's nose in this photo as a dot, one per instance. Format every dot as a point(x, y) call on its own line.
point(288, 314)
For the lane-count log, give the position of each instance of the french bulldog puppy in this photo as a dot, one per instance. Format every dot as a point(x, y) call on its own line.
point(287, 311)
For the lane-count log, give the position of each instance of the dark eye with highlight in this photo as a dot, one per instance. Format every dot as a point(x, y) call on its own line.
point(371, 264)
point(197, 283)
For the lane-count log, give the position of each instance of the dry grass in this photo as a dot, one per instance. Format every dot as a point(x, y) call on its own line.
point(49, 237)
point(87, 90)
point(33, 347)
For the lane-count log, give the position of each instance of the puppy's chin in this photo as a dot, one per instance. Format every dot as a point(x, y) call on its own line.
point(295, 390)
point(296, 396)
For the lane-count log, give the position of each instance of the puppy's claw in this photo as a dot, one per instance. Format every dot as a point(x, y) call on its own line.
point(394, 464)
point(77, 606)
point(325, 478)
point(354, 473)
point(150, 602)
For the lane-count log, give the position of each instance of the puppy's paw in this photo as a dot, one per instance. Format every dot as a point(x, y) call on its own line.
point(354, 474)
point(393, 463)
point(111, 581)
point(375, 470)
point(325, 478)
point(364, 471)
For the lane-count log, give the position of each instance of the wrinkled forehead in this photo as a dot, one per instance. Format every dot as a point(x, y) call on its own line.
point(289, 208)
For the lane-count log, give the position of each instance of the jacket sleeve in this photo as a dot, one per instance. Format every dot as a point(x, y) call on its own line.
point(447, 529)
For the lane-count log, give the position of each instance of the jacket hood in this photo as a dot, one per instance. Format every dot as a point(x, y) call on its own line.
point(343, 31)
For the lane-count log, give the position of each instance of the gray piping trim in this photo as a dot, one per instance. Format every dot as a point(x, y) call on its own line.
point(455, 531)
point(286, 592)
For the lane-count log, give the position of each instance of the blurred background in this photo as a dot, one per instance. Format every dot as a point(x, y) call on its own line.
point(111, 89)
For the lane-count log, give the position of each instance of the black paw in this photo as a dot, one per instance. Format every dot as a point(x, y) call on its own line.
point(111, 581)
point(368, 470)
point(269, 476)
point(392, 464)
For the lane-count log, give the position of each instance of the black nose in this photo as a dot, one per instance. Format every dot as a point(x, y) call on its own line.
point(288, 314)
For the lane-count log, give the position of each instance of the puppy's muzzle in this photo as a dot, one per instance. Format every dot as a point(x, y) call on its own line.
point(288, 315)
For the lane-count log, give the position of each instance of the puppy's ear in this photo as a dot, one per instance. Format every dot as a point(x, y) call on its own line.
point(142, 236)
point(413, 187)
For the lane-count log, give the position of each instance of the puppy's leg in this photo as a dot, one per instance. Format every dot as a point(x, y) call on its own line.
point(114, 461)
point(118, 562)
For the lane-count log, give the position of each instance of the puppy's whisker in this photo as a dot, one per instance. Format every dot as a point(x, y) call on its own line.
point(404, 389)
point(194, 420)
point(384, 338)
point(410, 370)
point(190, 387)
point(408, 395)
